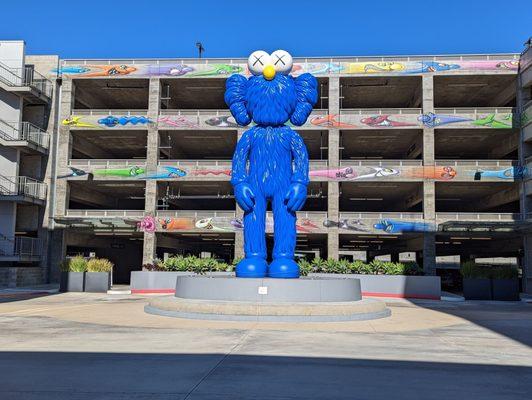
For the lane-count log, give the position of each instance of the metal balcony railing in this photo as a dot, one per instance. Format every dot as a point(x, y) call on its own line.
point(20, 246)
point(26, 131)
point(25, 76)
point(22, 186)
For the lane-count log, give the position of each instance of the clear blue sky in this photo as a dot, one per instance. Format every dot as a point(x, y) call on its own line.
point(139, 29)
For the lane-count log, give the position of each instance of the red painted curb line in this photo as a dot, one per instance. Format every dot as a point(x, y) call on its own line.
point(367, 294)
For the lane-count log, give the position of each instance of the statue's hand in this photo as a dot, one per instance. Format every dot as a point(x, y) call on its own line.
point(296, 196)
point(244, 196)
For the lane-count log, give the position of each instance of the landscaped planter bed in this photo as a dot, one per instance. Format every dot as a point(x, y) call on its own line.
point(398, 286)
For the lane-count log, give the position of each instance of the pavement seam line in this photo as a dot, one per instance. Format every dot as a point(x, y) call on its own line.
point(211, 371)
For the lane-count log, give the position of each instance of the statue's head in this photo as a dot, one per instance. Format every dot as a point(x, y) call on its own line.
point(271, 97)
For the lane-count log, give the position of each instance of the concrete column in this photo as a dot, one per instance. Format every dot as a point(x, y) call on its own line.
point(527, 264)
point(333, 188)
point(239, 235)
point(428, 106)
point(56, 253)
point(64, 146)
point(429, 190)
point(152, 151)
point(149, 250)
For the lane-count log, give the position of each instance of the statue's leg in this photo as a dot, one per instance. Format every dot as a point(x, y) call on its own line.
point(254, 264)
point(284, 236)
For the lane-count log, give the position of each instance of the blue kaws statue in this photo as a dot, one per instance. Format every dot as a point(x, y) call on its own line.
point(270, 163)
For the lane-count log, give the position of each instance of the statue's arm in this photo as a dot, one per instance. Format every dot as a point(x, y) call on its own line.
point(239, 172)
point(300, 159)
point(244, 195)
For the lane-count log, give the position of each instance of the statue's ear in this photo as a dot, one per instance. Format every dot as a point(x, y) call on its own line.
point(235, 98)
point(307, 96)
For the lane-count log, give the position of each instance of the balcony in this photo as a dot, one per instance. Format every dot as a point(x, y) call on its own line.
point(20, 249)
point(27, 82)
point(25, 136)
point(22, 189)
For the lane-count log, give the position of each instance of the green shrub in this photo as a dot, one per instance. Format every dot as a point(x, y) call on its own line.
point(305, 267)
point(356, 267)
point(318, 265)
point(470, 269)
point(74, 264)
point(99, 265)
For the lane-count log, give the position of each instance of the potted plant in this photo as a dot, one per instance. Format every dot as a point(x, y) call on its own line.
point(98, 275)
point(477, 282)
point(505, 283)
point(73, 274)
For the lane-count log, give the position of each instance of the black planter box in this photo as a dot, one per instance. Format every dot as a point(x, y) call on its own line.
point(477, 289)
point(72, 282)
point(505, 289)
point(97, 282)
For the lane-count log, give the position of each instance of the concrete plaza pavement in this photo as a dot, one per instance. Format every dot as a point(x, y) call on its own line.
point(92, 346)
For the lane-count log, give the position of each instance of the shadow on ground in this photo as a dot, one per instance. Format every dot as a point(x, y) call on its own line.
point(8, 297)
point(75, 376)
point(511, 319)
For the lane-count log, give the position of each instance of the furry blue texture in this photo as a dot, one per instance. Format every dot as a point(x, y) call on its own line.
point(270, 164)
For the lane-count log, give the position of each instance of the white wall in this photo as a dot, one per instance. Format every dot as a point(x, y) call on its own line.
point(12, 53)
point(9, 159)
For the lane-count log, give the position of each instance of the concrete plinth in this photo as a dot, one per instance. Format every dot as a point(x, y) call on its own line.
point(275, 300)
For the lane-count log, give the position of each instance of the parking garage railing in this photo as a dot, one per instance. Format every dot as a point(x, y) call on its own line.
point(380, 163)
point(105, 213)
point(381, 215)
point(25, 76)
point(22, 186)
point(380, 111)
point(195, 214)
point(25, 131)
point(199, 61)
point(478, 216)
point(474, 110)
point(107, 163)
point(477, 163)
point(196, 163)
point(95, 111)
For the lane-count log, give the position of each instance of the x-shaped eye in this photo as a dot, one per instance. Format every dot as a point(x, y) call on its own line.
point(279, 59)
point(258, 60)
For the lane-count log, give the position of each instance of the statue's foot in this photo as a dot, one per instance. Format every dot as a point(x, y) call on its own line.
point(252, 267)
point(283, 268)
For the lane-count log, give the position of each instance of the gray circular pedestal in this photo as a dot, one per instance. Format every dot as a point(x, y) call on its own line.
point(266, 299)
